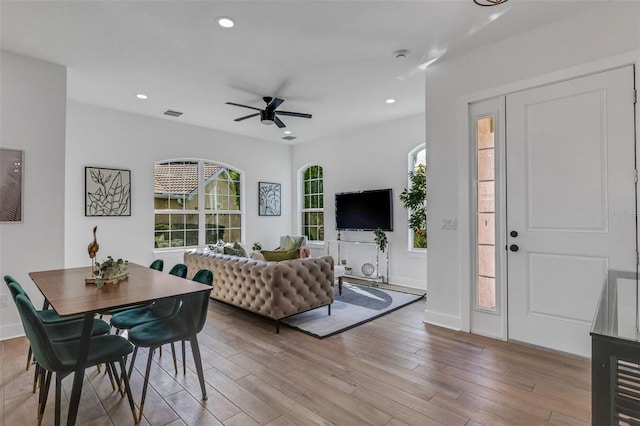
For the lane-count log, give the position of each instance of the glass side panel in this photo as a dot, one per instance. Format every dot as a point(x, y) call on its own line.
point(485, 214)
point(312, 224)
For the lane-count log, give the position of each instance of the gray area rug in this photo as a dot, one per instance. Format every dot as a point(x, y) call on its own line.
point(357, 304)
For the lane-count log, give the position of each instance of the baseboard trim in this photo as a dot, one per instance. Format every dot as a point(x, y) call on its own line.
point(11, 331)
point(442, 320)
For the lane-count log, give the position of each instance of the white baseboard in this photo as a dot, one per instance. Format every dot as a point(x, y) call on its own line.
point(11, 331)
point(442, 320)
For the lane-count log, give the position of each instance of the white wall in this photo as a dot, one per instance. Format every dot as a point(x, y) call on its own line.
point(103, 137)
point(32, 118)
point(370, 158)
point(562, 49)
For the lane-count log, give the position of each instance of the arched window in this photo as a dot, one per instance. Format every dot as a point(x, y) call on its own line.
point(417, 198)
point(196, 202)
point(312, 210)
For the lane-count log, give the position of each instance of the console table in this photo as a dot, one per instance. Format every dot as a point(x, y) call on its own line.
point(615, 352)
point(359, 258)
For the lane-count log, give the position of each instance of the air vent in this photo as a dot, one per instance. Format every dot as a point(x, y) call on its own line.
point(172, 113)
point(289, 138)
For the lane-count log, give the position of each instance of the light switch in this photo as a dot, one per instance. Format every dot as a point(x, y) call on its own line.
point(448, 223)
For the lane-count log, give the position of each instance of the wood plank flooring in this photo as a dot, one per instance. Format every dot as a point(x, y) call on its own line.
point(392, 371)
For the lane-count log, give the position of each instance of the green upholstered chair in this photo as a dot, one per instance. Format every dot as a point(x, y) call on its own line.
point(158, 309)
point(183, 325)
point(48, 316)
point(158, 265)
point(155, 311)
point(61, 357)
point(60, 331)
point(204, 276)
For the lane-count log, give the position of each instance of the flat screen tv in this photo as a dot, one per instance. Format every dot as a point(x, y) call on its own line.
point(364, 210)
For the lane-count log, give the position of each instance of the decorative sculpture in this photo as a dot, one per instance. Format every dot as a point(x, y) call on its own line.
point(93, 249)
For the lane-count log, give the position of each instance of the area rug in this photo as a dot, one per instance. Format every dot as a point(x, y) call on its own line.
point(357, 305)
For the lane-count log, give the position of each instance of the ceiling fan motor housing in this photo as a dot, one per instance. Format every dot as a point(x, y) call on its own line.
point(267, 116)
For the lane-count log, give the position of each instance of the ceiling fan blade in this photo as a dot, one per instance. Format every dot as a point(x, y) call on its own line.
point(274, 103)
point(294, 114)
point(243, 106)
point(246, 116)
point(278, 122)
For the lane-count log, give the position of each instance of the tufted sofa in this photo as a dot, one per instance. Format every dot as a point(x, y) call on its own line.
point(272, 289)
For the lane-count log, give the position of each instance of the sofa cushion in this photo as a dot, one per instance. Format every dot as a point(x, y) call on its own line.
point(291, 243)
point(277, 255)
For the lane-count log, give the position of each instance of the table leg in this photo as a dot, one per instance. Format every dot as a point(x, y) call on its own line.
point(78, 378)
point(340, 285)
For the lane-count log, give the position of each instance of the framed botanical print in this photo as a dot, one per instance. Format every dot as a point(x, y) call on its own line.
point(107, 192)
point(269, 199)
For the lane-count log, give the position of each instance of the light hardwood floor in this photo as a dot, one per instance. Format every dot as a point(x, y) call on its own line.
point(392, 371)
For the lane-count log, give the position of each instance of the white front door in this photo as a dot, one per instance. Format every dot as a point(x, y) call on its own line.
point(571, 213)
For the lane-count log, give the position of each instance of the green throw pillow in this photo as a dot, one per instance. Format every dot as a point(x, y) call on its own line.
point(278, 255)
point(230, 250)
point(241, 251)
point(291, 243)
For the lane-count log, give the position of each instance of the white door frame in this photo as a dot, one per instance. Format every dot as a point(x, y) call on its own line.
point(465, 209)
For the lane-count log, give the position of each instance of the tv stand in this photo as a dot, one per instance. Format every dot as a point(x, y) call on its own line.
point(362, 260)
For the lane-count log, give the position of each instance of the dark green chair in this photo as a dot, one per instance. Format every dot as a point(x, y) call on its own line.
point(187, 322)
point(203, 276)
point(158, 265)
point(155, 311)
point(61, 357)
point(60, 331)
point(48, 316)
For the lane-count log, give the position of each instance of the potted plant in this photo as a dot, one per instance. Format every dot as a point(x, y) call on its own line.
point(110, 271)
point(256, 246)
point(414, 199)
point(381, 239)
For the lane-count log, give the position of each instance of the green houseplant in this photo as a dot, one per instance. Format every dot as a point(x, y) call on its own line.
point(111, 271)
point(414, 199)
point(381, 239)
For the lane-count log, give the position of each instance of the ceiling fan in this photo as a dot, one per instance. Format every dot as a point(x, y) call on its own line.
point(268, 114)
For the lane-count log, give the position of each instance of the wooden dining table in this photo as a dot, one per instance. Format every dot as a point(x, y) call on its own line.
point(67, 293)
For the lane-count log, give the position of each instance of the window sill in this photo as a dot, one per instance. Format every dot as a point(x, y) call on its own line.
point(417, 253)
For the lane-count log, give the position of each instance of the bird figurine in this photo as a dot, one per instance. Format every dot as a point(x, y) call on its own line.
point(93, 248)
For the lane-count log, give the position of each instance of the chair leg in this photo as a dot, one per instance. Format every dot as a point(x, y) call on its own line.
point(146, 382)
point(36, 377)
point(133, 360)
point(195, 348)
point(58, 397)
point(45, 384)
point(29, 358)
point(107, 369)
point(127, 388)
point(184, 360)
point(175, 363)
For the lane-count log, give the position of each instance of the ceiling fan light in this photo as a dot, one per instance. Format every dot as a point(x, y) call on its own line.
point(266, 117)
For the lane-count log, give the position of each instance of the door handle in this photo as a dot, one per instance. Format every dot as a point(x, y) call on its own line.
point(514, 247)
point(513, 233)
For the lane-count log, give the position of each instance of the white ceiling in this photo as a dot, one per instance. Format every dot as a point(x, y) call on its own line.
point(332, 59)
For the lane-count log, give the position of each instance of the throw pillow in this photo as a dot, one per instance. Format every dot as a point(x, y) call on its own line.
point(292, 242)
point(241, 251)
point(230, 250)
point(277, 256)
point(305, 252)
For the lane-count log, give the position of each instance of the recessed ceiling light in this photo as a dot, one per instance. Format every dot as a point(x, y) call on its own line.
point(390, 101)
point(287, 132)
point(225, 22)
point(142, 96)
